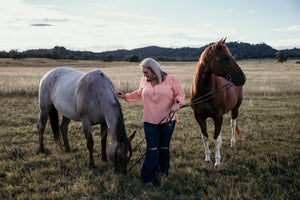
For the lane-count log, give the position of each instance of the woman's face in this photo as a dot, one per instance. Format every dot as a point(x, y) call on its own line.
point(148, 74)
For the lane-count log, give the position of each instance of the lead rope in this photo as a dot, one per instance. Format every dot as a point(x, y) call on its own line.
point(202, 99)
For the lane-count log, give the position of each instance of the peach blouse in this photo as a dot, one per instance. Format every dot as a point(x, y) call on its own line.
point(158, 100)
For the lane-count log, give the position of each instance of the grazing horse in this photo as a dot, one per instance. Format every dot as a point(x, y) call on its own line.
point(216, 68)
point(89, 98)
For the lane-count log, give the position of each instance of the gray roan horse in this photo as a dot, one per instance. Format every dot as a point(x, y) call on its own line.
point(89, 98)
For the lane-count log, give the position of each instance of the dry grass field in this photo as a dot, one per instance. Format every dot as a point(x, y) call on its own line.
point(263, 165)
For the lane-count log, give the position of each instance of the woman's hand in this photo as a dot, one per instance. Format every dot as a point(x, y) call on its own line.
point(120, 94)
point(175, 107)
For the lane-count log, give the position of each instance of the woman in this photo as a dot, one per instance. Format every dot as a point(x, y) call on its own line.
point(161, 93)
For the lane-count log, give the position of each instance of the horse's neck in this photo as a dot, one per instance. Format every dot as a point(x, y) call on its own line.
point(120, 133)
point(204, 81)
point(116, 125)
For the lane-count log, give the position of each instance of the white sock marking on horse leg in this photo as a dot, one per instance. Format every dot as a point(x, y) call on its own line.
point(233, 126)
point(218, 143)
point(207, 151)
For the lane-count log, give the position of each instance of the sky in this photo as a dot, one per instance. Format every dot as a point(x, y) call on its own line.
point(102, 25)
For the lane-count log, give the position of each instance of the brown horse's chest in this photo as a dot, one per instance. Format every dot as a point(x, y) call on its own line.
point(222, 103)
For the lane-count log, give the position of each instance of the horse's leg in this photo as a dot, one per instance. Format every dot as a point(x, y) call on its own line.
point(202, 124)
point(218, 138)
point(205, 141)
point(233, 126)
point(64, 131)
point(87, 130)
point(234, 115)
point(41, 128)
point(103, 141)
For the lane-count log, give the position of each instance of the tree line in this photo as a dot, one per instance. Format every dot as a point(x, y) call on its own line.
point(238, 50)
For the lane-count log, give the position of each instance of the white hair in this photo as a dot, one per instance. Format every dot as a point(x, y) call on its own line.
point(153, 65)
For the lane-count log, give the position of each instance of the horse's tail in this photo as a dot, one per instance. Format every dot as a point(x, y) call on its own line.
point(237, 130)
point(53, 117)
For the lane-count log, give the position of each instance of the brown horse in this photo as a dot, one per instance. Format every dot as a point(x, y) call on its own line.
point(217, 68)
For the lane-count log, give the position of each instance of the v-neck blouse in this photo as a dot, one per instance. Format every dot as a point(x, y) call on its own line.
point(158, 100)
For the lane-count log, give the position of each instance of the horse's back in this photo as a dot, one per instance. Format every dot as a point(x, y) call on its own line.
point(57, 87)
point(96, 96)
point(77, 95)
point(61, 75)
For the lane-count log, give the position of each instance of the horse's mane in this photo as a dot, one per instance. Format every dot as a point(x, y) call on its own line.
point(120, 126)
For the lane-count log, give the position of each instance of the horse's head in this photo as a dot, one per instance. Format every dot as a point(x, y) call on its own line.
point(223, 64)
point(119, 153)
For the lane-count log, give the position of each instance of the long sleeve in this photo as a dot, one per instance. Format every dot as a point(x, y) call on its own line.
point(177, 90)
point(158, 100)
point(136, 95)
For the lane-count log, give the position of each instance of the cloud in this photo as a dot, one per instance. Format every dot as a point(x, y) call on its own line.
point(19, 22)
point(26, 26)
point(101, 5)
point(284, 43)
point(290, 28)
point(207, 24)
point(54, 20)
point(251, 11)
point(40, 25)
point(122, 14)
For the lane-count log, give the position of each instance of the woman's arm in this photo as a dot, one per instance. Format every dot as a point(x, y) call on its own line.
point(133, 96)
point(179, 94)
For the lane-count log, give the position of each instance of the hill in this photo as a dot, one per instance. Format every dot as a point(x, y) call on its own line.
point(239, 51)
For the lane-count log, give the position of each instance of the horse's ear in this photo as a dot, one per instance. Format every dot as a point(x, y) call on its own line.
point(220, 42)
point(224, 40)
point(132, 136)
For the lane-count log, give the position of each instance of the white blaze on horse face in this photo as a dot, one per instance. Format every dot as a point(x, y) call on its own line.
point(218, 143)
point(233, 126)
point(207, 151)
point(128, 154)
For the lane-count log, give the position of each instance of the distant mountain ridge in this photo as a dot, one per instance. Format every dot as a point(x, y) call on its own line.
point(239, 51)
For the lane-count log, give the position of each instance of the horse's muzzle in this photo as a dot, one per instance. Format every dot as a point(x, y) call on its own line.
point(239, 80)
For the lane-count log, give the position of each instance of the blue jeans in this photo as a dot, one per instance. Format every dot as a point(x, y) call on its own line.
point(157, 158)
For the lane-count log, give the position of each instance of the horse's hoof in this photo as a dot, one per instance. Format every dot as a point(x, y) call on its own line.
point(43, 151)
point(92, 165)
point(232, 144)
point(207, 159)
point(217, 165)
